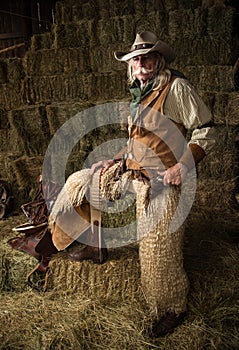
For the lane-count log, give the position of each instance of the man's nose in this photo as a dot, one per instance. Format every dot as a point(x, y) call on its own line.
point(140, 62)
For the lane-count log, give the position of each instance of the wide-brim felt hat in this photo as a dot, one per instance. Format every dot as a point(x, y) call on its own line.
point(144, 43)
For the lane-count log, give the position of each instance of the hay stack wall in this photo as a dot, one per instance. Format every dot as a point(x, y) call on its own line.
point(72, 68)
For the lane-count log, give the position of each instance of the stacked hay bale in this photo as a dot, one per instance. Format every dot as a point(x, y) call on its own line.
point(118, 279)
point(206, 47)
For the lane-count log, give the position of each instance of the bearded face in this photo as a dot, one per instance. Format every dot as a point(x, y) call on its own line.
point(144, 67)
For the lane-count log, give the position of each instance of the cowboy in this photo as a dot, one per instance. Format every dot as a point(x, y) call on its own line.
point(156, 162)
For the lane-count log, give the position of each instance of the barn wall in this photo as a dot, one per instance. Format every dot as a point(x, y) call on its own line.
point(72, 68)
point(19, 20)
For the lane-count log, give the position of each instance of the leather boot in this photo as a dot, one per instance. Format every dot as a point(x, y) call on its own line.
point(91, 251)
point(46, 249)
point(98, 256)
point(167, 324)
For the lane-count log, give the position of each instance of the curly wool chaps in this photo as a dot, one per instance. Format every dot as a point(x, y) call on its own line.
point(163, 278)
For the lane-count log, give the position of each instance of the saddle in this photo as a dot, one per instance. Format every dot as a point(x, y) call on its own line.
point(35, 230)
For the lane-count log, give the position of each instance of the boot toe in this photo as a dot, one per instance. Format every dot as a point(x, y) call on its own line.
point(89, 253)
point(167, 324)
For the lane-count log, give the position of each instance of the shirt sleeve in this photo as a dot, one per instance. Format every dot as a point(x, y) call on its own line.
point(183, 105)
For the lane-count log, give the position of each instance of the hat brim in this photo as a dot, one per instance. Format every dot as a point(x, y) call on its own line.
point(160, 47)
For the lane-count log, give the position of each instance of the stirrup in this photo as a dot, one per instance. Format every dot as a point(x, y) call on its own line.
point(95, 210)
point(34, 285)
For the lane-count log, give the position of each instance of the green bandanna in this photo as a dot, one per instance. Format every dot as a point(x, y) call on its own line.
point(138, 95)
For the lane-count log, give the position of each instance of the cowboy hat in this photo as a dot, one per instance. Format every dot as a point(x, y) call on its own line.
point(144, 43)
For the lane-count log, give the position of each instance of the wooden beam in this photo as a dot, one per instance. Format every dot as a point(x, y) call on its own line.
point(12, 47)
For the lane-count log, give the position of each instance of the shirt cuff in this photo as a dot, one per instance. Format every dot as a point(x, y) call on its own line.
point(193, 155)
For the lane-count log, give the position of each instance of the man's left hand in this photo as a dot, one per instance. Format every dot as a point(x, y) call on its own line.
point(174, 175)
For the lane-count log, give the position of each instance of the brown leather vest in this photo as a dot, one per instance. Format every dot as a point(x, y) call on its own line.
point(155, 141)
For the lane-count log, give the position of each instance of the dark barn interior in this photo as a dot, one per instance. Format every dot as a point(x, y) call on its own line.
point(56, 60)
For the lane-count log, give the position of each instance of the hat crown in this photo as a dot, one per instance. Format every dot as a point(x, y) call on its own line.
point(145, 38)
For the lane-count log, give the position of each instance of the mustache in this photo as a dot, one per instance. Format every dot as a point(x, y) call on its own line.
point(142, 70)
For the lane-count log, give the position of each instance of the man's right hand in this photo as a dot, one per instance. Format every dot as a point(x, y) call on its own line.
point(105, 164)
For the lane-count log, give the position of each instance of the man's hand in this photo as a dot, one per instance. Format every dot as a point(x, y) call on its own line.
point(106, 164)
point(174, 175)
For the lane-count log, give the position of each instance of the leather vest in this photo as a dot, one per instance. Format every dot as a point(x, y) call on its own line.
point(155, 141)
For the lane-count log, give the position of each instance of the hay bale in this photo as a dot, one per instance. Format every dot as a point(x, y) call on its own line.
point(89, 9)
point(11, 75)
point(21, 173)
point(11, 96)
point(191, 27)
point(15, 71)
point(4, 132)
point(118, 8)
point(157, 22)
point(110, 31)
point(5, 160)
point(220, 23)
point(170, 5)
point(201, 42)
point(103, 60)
point(26, 123)
point(118, 278)
point(215, 78)
point(77, 13)
point(218, 195)
point(225, 109)
point(3, 119)
point(26, 170)
point(209, 99)
point(4, 141)
point(56, 61)
point(41, 41)
point(155, 6)
point(233, 110)
point(14, 264)
point(15, 267)
point(218, 165)
point(59, 113)
point(58, 88)
point(73, 34)
point(205, 224)
point(220, 108)
point(103, 91)
point(63, 12)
